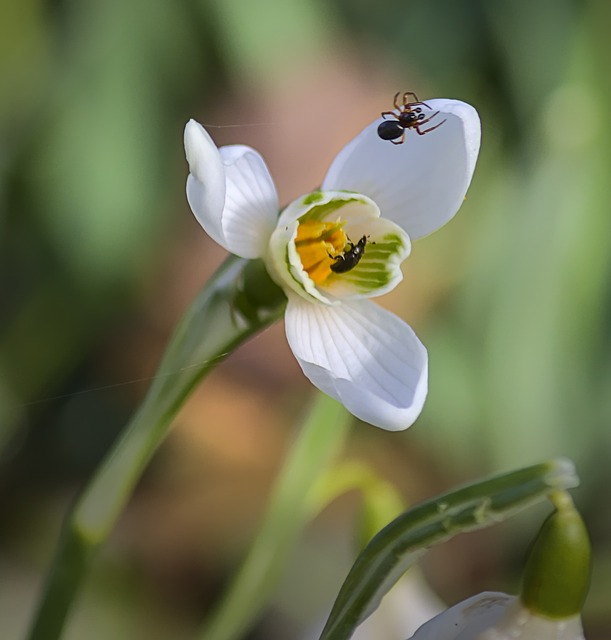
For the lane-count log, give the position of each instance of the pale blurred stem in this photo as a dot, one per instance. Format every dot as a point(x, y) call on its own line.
point(290, 507)
point(238, 301)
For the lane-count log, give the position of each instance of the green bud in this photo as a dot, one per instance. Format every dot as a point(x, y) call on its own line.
point(557, 573)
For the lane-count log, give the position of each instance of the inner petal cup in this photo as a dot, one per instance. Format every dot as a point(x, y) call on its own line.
point(332, 246)
point(313, 227)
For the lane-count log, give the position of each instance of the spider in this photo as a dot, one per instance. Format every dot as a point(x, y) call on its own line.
point(409, 116)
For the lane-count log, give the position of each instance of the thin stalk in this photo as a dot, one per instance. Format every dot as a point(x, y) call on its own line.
point(238, 301)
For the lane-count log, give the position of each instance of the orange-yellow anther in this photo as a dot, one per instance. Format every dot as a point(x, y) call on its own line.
point(316, 242)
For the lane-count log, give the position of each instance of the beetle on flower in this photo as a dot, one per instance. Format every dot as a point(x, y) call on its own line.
point(349, 347)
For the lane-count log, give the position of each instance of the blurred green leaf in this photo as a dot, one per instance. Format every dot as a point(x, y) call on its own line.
point(99, 180)
point(290, 507)
point(264, 37)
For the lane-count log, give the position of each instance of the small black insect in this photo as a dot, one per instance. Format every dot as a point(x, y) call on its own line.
point(349, 259)
point(409, 116)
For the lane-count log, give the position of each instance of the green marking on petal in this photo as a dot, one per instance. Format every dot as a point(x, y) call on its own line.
point(376, 251)
point(376, 280)
point(320, 212)
point(390, 242)
point(371, 267)
point(370, 281)
point(379, 265)
point(315, 196)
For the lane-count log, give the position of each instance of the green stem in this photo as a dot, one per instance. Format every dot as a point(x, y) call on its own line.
point(290, 507)
point(237, 302)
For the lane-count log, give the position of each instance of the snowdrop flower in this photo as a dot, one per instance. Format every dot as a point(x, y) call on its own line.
point(333, 249)
point(554, 588)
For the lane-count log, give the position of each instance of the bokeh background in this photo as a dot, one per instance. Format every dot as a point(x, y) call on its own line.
point(99, 256)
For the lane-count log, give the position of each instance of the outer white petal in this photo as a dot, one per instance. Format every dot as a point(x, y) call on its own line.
point(206, 181)
point(231, 193)
point(497, 616)
point(251, 202)
point(519, 623)
point(467, 619)
point(421, 183)
point(362, 355)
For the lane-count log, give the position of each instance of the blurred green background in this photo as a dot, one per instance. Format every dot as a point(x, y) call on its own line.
point(99, 255)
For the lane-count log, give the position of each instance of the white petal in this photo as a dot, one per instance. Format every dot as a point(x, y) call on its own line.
point(518, 623)
point(231, 193)
point(421, 183)
point(466, 619)
point(251, 202)
point(206, 182)
point(497, 616)
point(362, 355)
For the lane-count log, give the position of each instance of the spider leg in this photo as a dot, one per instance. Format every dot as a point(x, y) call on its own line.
point(416, 101)
point(413, 95)
point(427, 119)
point(421, 133)
point(397, 107)
point(401, 140)
point(388, 113)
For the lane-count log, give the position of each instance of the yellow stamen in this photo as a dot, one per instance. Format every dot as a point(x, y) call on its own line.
point(316, 242)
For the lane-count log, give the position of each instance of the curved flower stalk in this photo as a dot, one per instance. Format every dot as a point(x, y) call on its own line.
point(333, 249)
point(553, 592)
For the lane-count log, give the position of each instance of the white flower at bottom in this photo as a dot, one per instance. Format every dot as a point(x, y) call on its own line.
point(497, 616)
point(332, 249)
